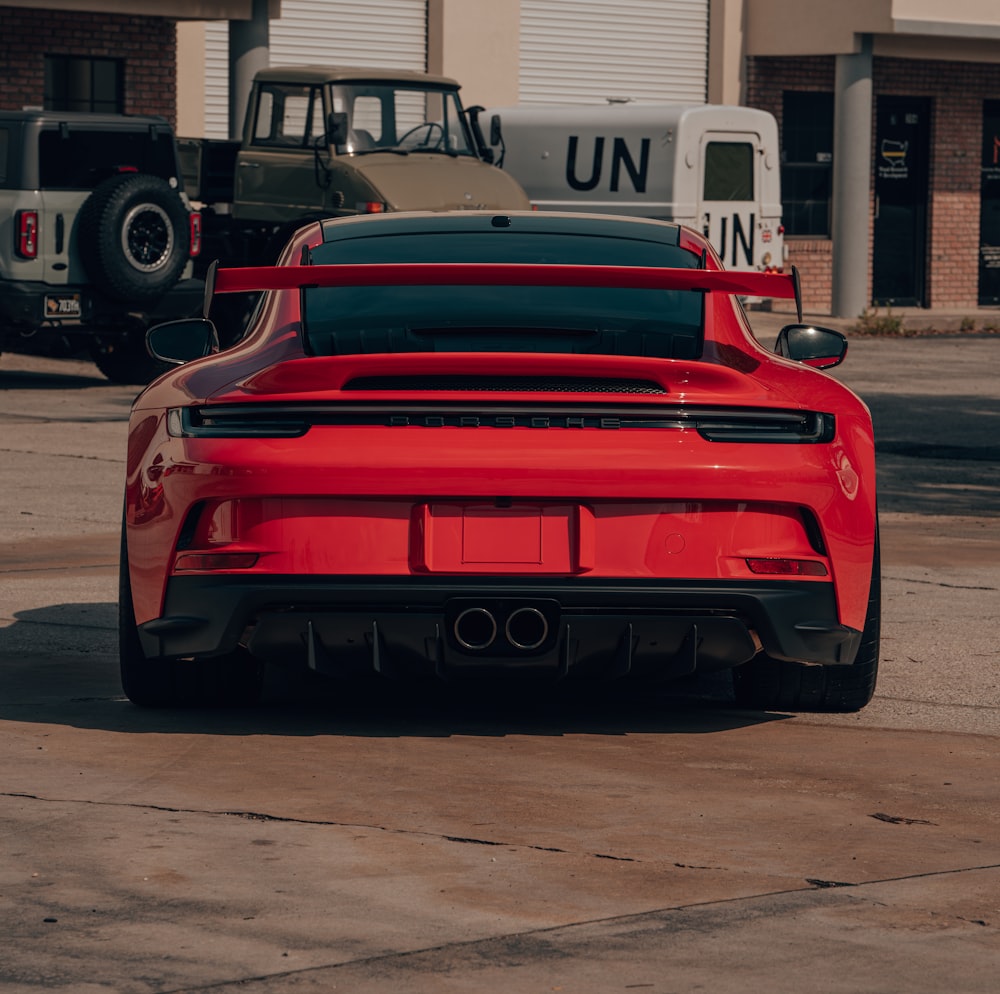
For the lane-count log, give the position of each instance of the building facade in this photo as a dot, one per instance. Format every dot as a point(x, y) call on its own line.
point(889, 109)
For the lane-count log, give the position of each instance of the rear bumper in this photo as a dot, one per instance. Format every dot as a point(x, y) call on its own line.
point(23, 305)
point(454, 626)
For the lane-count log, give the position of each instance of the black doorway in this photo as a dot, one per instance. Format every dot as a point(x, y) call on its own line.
point(989, 209)
point(902, 141)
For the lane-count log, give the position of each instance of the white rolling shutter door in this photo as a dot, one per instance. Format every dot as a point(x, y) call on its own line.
point(381, 34)
point(586, 51)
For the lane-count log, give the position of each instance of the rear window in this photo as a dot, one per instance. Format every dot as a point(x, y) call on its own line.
point(80, 160)
point(595, 320)
point(729, 171)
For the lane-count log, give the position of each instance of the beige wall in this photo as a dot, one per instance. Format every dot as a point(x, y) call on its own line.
point(476, 42)
point(191, 78)
point(940, 29)
point(958, 13)
point(725, 51)
point(813, 27)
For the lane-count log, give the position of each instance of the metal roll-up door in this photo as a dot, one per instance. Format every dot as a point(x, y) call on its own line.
point(589, 51)
point(382, 34)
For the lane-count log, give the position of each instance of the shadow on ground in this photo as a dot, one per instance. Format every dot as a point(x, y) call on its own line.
point(58, 665)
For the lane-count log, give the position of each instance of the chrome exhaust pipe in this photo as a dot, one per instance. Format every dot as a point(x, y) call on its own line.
point(475, 629)
point(526, 628)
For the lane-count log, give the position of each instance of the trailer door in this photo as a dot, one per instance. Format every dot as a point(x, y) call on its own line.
point(729, 197)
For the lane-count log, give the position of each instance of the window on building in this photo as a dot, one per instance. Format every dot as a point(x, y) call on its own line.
point(807, 163)
point(74, 82)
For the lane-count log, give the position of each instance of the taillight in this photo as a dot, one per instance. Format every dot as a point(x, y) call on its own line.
point(194, 222)
point(216, 560)
point(26, 234)
point(787, 567)
point(370, 207)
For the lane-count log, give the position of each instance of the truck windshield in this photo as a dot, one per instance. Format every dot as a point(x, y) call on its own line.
point(392, 116)
point(554, 319)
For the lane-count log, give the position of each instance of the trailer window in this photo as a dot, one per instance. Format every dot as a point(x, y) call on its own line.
point(729, 171)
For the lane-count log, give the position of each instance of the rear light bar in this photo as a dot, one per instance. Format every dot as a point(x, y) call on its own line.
point(295, 420)
point(26, 234)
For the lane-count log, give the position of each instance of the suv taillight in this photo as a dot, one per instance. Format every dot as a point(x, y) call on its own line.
point(26, 234)
point(194, 220)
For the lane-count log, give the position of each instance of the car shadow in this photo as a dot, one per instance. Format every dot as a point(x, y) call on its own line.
point(30, 379)
point(58, 666)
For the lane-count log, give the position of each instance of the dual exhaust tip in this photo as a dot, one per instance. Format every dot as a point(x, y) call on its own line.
point(477, 628)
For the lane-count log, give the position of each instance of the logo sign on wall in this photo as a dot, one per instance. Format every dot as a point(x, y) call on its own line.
point(892, 164)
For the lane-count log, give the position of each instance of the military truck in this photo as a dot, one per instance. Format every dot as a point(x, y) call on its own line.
point(330, 142)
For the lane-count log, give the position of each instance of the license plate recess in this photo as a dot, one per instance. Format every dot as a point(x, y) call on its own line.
point(537, 537)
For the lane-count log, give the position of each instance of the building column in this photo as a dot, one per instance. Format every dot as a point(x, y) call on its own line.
point(852, 142)
point(248, 51)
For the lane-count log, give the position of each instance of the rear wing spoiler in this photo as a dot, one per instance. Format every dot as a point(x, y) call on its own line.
point(254, 279)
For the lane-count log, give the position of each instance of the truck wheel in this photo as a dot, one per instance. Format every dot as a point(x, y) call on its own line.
point(778, 684)
point(123, 359)
point(134, 237)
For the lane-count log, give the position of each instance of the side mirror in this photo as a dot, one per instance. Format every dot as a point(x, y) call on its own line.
point(485, 152)
point(496, 134)
point(821, 348)
point(181, 341)
point(337, 127)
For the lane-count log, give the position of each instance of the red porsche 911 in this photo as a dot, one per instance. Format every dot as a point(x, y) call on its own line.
point(508, 447)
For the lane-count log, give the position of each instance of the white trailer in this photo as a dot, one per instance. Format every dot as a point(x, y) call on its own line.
point(714, 168)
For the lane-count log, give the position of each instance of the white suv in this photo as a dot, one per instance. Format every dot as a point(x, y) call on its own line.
point(96, 234)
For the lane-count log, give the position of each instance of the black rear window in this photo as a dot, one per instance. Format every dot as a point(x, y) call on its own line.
point(596, 320)
point(79, 160)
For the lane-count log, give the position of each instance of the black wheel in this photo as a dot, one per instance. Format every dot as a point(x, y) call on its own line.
point(153, 682)
point(134, 236)
point(768, 683)
point(124, 358)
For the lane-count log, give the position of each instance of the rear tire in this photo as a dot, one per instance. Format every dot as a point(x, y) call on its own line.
point(766, 683)
point(235, 679)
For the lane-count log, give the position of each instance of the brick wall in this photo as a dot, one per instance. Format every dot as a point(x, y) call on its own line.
point(147, 47)
point(957, 91)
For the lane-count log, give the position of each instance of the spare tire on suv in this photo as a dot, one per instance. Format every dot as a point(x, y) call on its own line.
point(134, 237)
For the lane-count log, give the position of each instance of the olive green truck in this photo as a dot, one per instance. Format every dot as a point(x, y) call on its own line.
point(324, 142)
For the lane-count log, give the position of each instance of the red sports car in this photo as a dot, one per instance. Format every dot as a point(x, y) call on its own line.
point(515, 446)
